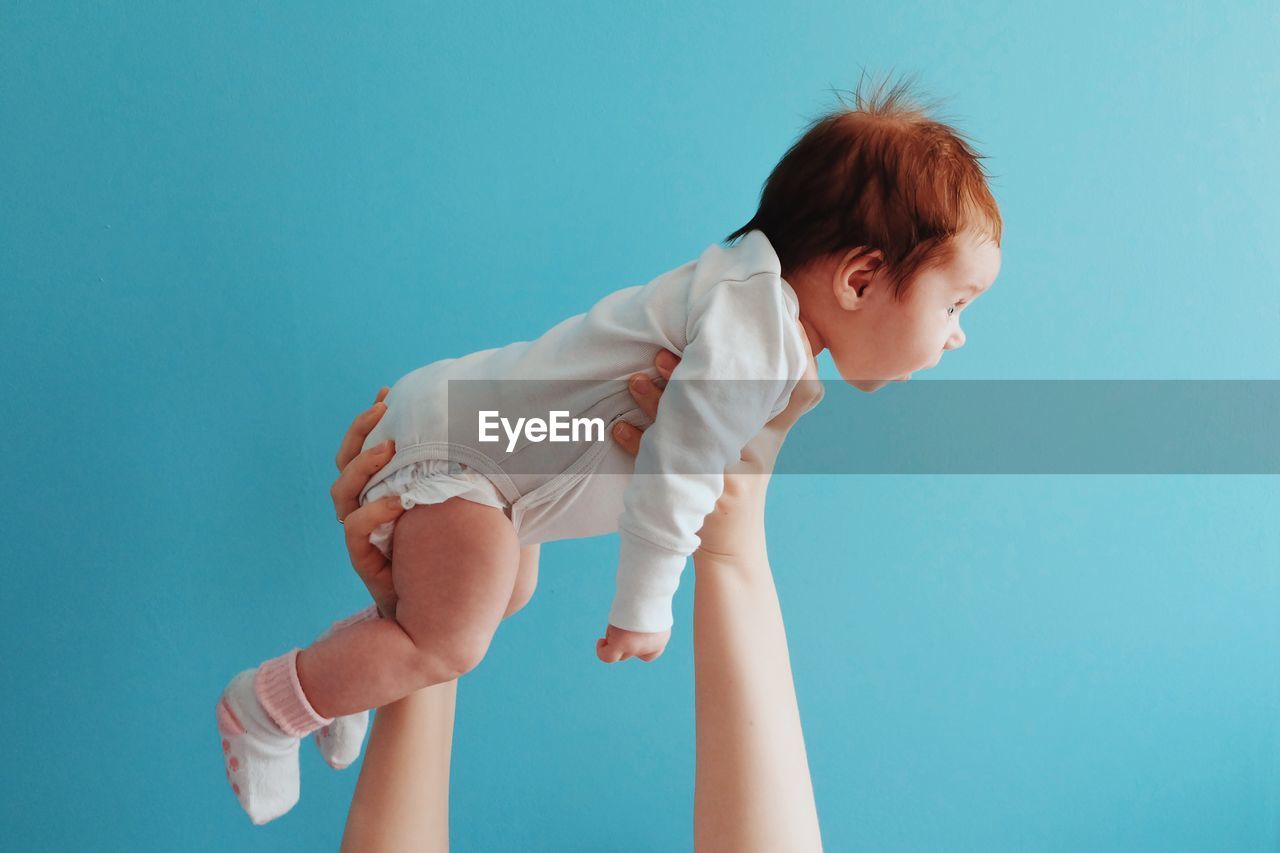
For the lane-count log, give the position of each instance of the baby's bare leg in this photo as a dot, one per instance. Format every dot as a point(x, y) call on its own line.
point(462, 559)
point(526, 580)
point(401, 801)
point(454, 566)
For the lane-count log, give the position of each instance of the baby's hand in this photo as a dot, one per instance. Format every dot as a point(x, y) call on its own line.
point(618, 644)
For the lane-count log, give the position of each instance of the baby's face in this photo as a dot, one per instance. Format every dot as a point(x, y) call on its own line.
point(884, 340)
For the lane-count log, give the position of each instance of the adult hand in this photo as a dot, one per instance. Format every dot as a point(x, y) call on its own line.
point(356, 468)
point(731, 526)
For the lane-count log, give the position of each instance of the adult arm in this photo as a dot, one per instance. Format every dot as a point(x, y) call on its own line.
point(401, 801)
point(752, 790)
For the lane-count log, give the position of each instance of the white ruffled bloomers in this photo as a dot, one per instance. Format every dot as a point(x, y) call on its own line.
point(428, 482)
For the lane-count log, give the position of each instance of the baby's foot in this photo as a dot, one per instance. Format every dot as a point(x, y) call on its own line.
point(262, 761)
point(340, 741)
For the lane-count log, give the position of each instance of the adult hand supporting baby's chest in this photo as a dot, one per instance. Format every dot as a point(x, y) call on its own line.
point(734, 530)
point(736, 525)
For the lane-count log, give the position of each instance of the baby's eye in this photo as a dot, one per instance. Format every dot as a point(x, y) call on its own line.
point(953, 307)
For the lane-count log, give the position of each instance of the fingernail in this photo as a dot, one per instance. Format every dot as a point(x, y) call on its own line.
point(387, 445)
point(640, 382)
point(621, 430)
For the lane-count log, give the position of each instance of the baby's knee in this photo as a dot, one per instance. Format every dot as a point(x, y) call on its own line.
point(452, 657)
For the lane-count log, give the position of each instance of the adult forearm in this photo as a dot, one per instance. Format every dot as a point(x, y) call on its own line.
point(401, 801)
point(752, 790)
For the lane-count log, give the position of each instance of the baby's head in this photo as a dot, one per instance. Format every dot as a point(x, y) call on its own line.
point(886, 229)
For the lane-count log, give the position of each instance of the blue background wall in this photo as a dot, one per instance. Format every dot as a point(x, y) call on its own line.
point(224, 226)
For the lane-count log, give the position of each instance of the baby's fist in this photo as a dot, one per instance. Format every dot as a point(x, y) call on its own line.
point(619, 644)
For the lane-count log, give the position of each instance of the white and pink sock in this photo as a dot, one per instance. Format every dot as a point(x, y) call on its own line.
point(262, 714)
point(340, 741)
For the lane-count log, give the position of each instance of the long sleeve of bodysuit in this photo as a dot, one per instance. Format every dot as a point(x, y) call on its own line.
point(742, 359)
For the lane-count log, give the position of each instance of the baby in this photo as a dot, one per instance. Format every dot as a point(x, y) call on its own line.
point(873, 233)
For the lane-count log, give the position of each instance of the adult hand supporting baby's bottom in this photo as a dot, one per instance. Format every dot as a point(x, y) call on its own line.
point(356, 468)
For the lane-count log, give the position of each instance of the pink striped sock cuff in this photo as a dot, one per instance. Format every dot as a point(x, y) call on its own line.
point(278, 689)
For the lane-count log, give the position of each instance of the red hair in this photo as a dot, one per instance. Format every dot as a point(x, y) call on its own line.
point(882, 174)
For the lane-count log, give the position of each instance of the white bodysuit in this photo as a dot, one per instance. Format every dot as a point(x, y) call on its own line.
point(729, 315)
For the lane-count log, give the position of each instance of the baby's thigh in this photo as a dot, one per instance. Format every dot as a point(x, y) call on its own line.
point(454, 565)
point(526, 579)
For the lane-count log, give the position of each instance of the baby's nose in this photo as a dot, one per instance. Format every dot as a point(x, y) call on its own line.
point(957, 340)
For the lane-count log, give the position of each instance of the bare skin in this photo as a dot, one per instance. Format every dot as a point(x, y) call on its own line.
point(752, 792)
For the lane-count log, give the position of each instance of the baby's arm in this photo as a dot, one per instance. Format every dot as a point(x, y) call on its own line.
point(709, 413)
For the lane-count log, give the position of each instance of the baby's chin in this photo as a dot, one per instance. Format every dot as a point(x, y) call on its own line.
point(869, 385)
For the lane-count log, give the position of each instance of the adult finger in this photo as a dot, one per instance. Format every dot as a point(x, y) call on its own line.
point(666, 361)
point(360, 429)
point(364, 520)
point(627, 436)
point(373, 569)
point(365, 558)
point(645, 393)
point(346, 489)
